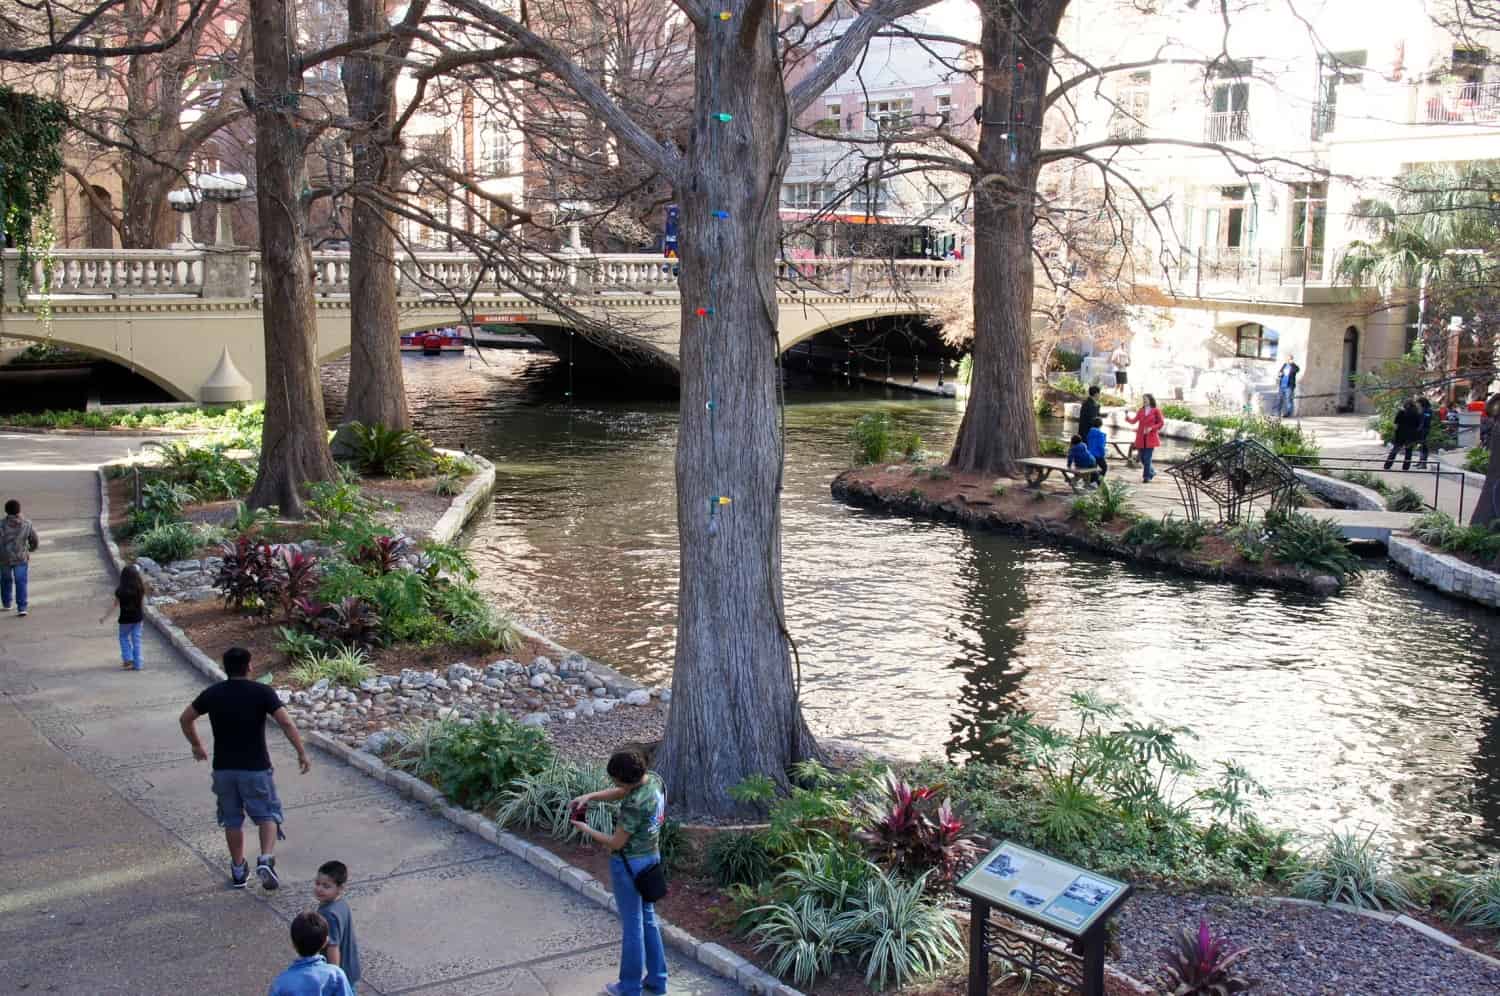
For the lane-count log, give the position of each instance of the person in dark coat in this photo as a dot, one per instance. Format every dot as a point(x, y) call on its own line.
point(1089, 411)
point(1408, 429)
point(1424, 429)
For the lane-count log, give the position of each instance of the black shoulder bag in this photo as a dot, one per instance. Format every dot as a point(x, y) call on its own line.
point(650, 882)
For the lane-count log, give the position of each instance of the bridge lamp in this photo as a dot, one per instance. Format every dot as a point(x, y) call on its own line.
point(223, 189)
point(184, 202)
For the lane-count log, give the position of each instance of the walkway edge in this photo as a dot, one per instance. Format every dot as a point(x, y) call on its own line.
point(716, 958)
point(1401, 919)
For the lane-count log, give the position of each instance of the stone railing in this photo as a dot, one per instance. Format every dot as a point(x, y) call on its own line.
point(236, 273)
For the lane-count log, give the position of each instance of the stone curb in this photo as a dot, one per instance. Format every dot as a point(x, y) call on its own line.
point(1347, 492)
point(713, 957)
point(1399, 919)
point(1448, 574)
point(42, 430)
point(463, 507)
point(717, 959)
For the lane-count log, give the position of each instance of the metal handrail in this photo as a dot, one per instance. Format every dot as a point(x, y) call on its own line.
point(1434, 468)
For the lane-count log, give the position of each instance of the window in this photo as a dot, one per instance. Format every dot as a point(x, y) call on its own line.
point(829, 123)
point(1132, 105)
point(1254, 341)
point(1229, 113)
point(1334, 69)
point(886, 116)
point(1309, 227)
point(1469, 64)
point(805, 196)
point(496, 144)
point(944, 108)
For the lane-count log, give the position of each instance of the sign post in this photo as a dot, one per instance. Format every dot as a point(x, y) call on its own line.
point(1066, 901)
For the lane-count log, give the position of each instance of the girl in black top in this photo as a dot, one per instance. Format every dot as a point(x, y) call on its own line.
point(130, 596)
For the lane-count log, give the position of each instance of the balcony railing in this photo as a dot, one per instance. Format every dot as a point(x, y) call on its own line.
point(1323, 119)
point(1461, 103)
point(1200, 270)
point(1124, 128)
point(1227, 126)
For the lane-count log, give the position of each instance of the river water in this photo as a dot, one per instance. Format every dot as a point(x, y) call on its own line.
point(1377, 707)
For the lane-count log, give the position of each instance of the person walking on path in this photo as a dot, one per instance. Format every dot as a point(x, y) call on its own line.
point(1119, 358)
point(17, 541)
point(635, 847)
point(311, 974)
point(237, 709)
point(342, 949)
point(1089, 410)
point(130, 596)
point(1424, 430)
point(1408, 425)
point(1148, 422)
point(1286, 388)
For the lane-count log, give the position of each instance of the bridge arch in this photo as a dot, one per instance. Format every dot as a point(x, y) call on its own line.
point(121, 354)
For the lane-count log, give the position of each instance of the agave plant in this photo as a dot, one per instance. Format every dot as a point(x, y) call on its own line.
point(1203, 965)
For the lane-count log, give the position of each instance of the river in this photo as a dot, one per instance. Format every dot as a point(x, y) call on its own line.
point(1379, 706)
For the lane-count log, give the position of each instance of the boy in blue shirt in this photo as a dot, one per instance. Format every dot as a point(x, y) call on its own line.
point(1079, 455)
point(1098, 445)
point(342, 949)
point(310, 974)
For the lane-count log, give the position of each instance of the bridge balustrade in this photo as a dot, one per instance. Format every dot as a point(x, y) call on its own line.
point(210, 272)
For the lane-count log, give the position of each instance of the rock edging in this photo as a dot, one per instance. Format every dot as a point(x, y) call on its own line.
point(859, 493)
point(1343, 492)
point(1399, 919)
point(714, 957)
point(1445, 572)
point(466, 504)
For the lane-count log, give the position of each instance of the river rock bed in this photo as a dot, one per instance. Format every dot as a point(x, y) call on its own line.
point(539, 694)
point(1299, 950)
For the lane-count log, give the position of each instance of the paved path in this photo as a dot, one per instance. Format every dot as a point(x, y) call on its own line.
point(113, 874)
point(1347, 438)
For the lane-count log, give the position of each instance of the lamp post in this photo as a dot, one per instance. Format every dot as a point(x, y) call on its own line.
point(223, 189)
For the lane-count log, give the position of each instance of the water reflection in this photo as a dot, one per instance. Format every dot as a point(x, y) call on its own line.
point(1379, 704)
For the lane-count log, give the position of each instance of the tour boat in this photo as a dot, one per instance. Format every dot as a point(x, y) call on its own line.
point(437, 342)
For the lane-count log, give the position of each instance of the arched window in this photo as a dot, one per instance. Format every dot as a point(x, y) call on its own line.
point(1253, 341)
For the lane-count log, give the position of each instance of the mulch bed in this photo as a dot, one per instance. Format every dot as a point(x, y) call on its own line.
point(968, 499)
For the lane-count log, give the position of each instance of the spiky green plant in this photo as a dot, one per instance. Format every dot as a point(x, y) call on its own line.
point(738, 859)
point(1352, 869)
point(1478, 901)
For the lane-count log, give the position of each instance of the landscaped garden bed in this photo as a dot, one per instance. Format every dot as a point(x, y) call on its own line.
point(146, 419)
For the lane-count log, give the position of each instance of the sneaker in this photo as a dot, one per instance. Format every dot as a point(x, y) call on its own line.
point(239, 875)
point(265, 870)
point(21, 613)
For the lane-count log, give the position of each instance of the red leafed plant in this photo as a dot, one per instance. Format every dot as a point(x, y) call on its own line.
point(383, 553)
point(299, 577)
point(909, 832)
point(1203, 965)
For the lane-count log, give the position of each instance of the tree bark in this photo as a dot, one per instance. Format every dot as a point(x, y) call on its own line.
point(999, 423)
point(735, 710)
point(377, 389)
point(1487, 508)
point(294, 445)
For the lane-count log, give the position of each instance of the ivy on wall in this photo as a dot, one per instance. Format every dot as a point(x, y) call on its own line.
point(31, 160)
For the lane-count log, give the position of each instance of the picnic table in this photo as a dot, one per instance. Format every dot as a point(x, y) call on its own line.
point(1125, 451)
point(1038, 469)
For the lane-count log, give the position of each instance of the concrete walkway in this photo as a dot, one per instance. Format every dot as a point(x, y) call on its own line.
point(113, 876)
point(1347, 437)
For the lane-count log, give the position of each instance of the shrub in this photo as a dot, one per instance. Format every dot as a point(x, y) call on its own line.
point(474, 763)
point(965, 372)
point(1105, 503)
point(385, 452)
point(737, 859)
point(1169, 533)
point(1477, 460)
point(538, 800)
point(1181, 413)
point(1316, 544)
point(876, 438)
point(908, 832)
point(247, 577)
point(297, 579)
point(1438, 529)
point(1249, 539)
point(456, 467)
point(446, 486)
point(298, 645)
point(897, 934)
point(1066, 359)
point(382, 554)
point(1404, 499)
point(1202, 964)
point(252, 521)
point(1050, 447)
point(167, 542)
point(1068, 384)
point(1042, 406)
point(346, 666)
point(206, 471)
point(350, 621)
point(1352, 869)
point(1478, 901)
point(1368, 480)
point(161, 502)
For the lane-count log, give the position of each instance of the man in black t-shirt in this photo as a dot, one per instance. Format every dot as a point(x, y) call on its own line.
point(237, 711)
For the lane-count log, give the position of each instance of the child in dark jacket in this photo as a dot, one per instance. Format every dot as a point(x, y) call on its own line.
point(1079, 455)
point(1098, 445)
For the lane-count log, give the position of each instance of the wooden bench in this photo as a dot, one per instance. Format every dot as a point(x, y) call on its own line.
point(1038, 469)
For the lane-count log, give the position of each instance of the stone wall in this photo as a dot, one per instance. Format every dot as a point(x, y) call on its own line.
point(1445, 572)
point(1341, 493)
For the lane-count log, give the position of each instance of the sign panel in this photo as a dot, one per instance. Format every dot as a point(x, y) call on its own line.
point(1042, 889)
point(499, 319)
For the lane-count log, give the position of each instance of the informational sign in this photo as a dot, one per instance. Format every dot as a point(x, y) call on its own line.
point(499, 319)
point(1042, 889)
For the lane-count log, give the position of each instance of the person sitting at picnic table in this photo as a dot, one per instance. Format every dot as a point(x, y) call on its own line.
point(1079, 457)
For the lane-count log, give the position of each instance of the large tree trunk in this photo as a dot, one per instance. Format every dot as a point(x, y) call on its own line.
point(1487, 508)
point(145, 221)
point(734, 697)
point(377, 390)
point(294, 446)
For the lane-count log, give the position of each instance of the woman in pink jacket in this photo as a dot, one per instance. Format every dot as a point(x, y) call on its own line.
point(1148, 422)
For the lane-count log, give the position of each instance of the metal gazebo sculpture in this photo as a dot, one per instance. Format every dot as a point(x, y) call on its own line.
point(1233, 476)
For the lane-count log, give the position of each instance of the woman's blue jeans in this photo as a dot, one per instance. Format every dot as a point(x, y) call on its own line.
point(130, 643)
point(1146, 471)
point(641, 952)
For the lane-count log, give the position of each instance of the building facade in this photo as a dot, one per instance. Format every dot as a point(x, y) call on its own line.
point(1238, 268)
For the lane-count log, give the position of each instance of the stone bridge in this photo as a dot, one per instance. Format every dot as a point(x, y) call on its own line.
point(173, 316)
